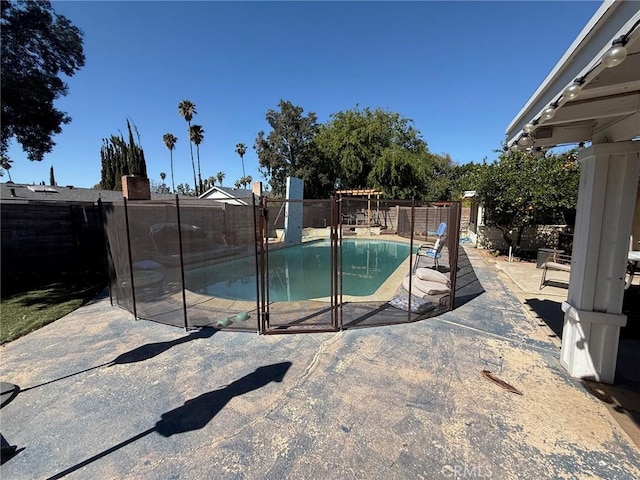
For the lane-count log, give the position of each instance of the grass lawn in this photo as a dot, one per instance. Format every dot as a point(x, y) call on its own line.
point(27, 306)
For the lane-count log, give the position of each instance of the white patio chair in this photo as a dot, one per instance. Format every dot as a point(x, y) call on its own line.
point(431, 250)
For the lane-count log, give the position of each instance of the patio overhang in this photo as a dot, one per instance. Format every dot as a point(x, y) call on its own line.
point(606, 105)
point(593, 95)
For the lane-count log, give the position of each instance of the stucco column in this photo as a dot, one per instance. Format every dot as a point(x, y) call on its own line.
point(293, 212)
point(593, 310)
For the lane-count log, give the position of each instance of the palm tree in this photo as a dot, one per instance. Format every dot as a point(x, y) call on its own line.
point(170, 140)
point(241, 149)
point(187, 110)
point(196, 134)
point(5, 164)
point(163, 176)
point(220, 176)
point(212, 182)
point(246, 180)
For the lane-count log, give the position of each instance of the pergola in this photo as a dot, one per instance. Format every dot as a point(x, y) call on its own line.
point(592, 98)
point(363, 192)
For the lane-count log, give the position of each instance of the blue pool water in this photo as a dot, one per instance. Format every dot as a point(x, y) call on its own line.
point(302, 272)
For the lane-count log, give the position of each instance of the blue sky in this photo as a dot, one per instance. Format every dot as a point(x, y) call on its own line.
point(460, 70)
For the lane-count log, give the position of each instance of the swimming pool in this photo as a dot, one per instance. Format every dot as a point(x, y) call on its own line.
point(303, 272)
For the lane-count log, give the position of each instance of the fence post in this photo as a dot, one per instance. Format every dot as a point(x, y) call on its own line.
point(413, 219)
point(105, 243)
point(133, 288)
point(454, 244)
point(333, 248)
point(256, 234)
point(184, 294)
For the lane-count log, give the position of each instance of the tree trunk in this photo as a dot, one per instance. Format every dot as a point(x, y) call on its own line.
point(193, 165)
point(173, 186)
point(506, 237)
point(199, 175)
point(519, 238)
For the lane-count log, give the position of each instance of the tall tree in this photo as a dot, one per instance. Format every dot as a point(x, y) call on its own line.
point(185, 189)
point(519, 190)
point(170, 142)
point(398, 173)
point(52, 177)
point(463, 177)
point(121, 157)
point(187, 110)
point(381, 149)
point(241, 149)
point(37, 46)
point(289, 150)
point(220, 176)
point(5, 166)
point(162, 188)
point(245, 181)
point(196, 134)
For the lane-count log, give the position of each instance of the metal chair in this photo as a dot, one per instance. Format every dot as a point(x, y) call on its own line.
point(442, 228)
point(348, 218)
point(556, 263)
point(430, 250)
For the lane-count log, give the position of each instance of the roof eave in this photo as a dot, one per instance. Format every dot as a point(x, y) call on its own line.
point(613, 18)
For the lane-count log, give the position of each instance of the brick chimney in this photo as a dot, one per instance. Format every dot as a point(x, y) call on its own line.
point(256, 188)
point(135, 187)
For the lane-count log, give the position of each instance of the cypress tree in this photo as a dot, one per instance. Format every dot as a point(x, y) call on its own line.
point(121, 157)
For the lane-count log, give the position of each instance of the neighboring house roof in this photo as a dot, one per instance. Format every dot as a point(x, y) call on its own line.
point(603, 104)
point(20, 193)
point(233, 196)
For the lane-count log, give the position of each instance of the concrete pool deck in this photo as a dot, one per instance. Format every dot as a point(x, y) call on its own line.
point(104, 396)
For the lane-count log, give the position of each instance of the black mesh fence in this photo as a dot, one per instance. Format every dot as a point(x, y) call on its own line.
point(117, 241)
point(384, 243)
point(299, 279)
point(185, 262)
point(283, 266)
point(155, 261)
point(220, 265)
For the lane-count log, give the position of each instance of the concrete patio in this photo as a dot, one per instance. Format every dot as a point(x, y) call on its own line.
point(544, 306)
point(104, 396)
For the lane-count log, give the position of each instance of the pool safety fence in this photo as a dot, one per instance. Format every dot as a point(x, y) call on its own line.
point(282, 266)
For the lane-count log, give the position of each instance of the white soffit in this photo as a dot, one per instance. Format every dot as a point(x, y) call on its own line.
point(607, 108)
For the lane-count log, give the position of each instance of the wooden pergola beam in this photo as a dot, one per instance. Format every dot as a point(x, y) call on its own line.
point(359, 192)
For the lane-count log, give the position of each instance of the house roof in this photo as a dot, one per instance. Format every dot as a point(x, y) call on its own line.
point(239, 195)
point(21, 193)
point(606, 109)
point(230, 192)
